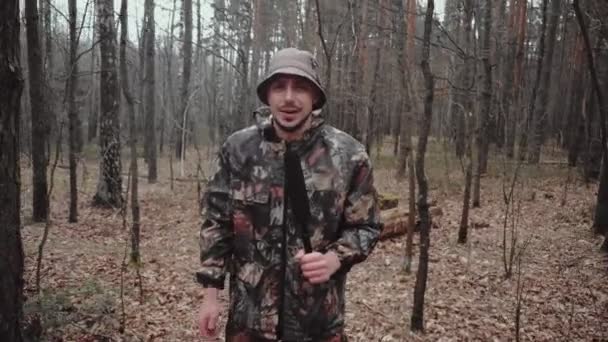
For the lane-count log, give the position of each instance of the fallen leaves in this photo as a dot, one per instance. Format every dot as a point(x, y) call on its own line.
point(564, 277)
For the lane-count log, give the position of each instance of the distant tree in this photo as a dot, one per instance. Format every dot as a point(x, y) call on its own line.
point(11, 262)
point(40, 112)
point(181, 119)
point(601, 210)
point(126, 91)
point(150, 90)
point(540, 116)
point(74, 121)
point(417, 320)
point(483, 130)
point(109, 187)
point(469, 118)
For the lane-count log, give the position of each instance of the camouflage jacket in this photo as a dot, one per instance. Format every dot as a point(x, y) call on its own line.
point(248, 233)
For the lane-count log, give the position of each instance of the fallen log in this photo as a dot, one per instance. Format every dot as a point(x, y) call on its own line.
point(395, 222)
point(387, 201)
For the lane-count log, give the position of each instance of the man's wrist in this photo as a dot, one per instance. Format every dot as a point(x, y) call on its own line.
point(210, 294)
point(334, 261)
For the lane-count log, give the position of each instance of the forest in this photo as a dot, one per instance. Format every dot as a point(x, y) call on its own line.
point(484, 120)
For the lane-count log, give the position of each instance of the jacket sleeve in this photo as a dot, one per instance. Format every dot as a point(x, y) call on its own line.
point(361, 225)
point(216, 231)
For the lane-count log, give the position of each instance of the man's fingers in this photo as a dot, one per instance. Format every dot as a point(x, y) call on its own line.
point(318, 280)
point(315, 274)
point(211, 323)
point(202, 326)
point(311, 257)
point(316, 265)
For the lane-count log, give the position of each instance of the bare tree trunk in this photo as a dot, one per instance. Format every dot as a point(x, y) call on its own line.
point(109, 188)
point(600, 222)
point(540, 117)
point(11, 262)
point(150, 91)
point(529, 122)
point(417, 320)
point(94, 107)
point(466, 203)
point(507, 84)
point(468, 78)
point(486, 106)
point(126, 90)
point(187, 67)
point(407, 61)
point(40, 113)
point(74, 122)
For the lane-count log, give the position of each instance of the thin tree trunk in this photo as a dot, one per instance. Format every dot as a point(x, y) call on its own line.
point(469, 79)
point(94, 107)
point(74, 122)
point(600, 222)
point(486, 106)
point(529, 124)
point(508, 81)
point(11, 262)
point(126, 90)
point(417, 320)
point(150, 91)
point(466, 203)
point(407, 61)
point(40, 114)
point(109, 188)
point(187, 67)
point(540, 117)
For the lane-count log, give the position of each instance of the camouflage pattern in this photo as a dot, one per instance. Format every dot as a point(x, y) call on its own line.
point(248, 234)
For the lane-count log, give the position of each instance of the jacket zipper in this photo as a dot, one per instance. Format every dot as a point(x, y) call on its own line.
point(283, 260)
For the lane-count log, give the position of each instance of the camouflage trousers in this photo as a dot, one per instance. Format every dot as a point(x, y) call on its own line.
point(244, 337)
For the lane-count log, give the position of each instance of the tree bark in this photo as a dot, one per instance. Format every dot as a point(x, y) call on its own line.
point(150, 91)
point(109, 187)
point(469, 80)
point(540, 117)
point(74, 121)
point(466, 202)
point(94, 107)
point(407, 61)
point(182, 115)
point(417, 320)
point(529, 124)
point(40, 114)
point(600, 222)
point(11, 262)
point(126, 90)
point(483, 131)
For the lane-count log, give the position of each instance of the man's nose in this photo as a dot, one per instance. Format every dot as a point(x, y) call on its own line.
point(289, 93)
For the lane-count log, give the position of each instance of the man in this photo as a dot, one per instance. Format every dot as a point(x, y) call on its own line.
point(258, 223)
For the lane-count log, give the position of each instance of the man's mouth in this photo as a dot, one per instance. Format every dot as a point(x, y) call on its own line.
point(290, 110)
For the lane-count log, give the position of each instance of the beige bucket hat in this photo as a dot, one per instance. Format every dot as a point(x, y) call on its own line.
point(292, 61)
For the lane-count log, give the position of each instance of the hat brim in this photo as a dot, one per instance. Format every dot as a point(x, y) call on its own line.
point(262, 89)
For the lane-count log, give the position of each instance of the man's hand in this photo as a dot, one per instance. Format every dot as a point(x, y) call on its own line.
point(209, 314)
point(318, 267)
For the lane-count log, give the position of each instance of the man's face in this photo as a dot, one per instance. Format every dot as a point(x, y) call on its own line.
point(291, 100)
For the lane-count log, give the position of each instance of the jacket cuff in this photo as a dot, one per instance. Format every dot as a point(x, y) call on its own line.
point(209, 282)
point(346, 261)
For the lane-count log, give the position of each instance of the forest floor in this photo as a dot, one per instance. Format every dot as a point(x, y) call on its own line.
point(563, 279)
